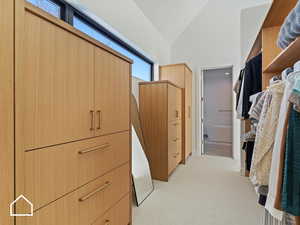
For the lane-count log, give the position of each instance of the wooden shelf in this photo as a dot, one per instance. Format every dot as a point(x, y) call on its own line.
point(285, 59)
point(278, 12)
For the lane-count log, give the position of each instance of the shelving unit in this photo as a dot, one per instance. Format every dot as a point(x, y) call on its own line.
point(275, 60)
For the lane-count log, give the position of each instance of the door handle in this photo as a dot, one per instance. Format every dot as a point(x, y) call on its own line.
point(92, 120)
point(99, 119)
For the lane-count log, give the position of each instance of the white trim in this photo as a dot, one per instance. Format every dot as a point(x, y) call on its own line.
point(199, 125)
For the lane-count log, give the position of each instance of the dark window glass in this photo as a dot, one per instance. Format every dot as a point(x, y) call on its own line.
point(49, 6)
point(140, 68)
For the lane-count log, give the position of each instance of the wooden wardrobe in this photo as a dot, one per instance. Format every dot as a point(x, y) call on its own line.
point(182, 76)
point(161, 119)
point(67, 108)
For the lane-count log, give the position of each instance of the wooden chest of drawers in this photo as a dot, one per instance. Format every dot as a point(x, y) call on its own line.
point(161, 113)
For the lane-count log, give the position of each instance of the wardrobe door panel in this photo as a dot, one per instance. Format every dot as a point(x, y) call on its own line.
point(57, 85)
point(112, 93)
point(188, 112)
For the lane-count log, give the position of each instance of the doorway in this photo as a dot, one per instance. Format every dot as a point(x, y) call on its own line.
point(217, 115)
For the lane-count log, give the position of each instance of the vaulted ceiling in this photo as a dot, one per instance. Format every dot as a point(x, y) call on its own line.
point(171, 17)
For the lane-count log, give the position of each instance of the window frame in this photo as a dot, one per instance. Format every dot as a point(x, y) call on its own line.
point(67, 14)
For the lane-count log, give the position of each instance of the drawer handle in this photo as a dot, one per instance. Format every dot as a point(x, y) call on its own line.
point(92, 120)
point(176, 139)
point(99, 119)
point(176, 124)
point(102, 188)
point(98, 148)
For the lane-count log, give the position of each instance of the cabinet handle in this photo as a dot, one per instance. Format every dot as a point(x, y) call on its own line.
point(176, 139)
point(102, 188)
point(92, 120)
point(99, 119)
point(107, 222)
point(98, 148)
point(176, 124)
point(177, 113)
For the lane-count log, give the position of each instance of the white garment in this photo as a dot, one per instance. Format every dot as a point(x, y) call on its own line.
point(274, 172)
point(240, 104)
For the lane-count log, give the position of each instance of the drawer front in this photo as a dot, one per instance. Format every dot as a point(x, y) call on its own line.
point(118, 215)
point(175, 131)
point(53, 172)
point(87, 204)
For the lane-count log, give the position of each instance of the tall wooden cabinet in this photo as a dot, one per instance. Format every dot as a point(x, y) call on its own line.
point(181, 75)
point(72, 124)
point(161, 119)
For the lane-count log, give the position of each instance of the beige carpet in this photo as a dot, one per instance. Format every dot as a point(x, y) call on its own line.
point(207, 191)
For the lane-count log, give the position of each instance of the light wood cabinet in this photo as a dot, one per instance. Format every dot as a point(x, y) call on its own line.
point(161, 112)
point(72, 124)
point(56, 92)
point(112, 99)
point(182, 76)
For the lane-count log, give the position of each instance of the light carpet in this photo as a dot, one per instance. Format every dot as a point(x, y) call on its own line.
point(207, 191)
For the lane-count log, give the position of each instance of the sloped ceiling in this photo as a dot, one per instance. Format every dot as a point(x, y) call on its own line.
point(171, 17)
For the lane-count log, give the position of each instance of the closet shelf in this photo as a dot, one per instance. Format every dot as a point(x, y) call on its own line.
point(285, 59)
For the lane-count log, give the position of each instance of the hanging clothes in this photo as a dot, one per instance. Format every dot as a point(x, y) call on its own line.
point(291, 183)
point(262, 156)
point(252, 82)
point(278, 150)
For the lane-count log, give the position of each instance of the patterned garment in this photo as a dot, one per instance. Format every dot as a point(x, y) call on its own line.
point(264, 142)
point(270, 220)
point(295, 95)
point(256, 109)
point(291, 183)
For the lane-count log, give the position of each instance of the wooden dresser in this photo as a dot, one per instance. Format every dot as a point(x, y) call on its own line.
point(72, 125)
point(182, 76)
point(161, 119)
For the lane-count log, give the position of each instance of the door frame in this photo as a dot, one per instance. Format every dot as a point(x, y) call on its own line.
point(200, 93)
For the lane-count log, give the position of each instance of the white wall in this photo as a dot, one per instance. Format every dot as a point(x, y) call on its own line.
point(213, 40)
point(250, 26)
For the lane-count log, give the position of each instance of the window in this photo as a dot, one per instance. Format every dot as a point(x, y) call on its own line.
point(49, 6)
point(142, 67)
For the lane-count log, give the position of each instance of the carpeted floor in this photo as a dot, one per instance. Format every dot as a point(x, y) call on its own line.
point(207, 191)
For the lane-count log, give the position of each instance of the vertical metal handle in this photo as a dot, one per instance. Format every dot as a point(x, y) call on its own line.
point(99, 119)
point(92, 120)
